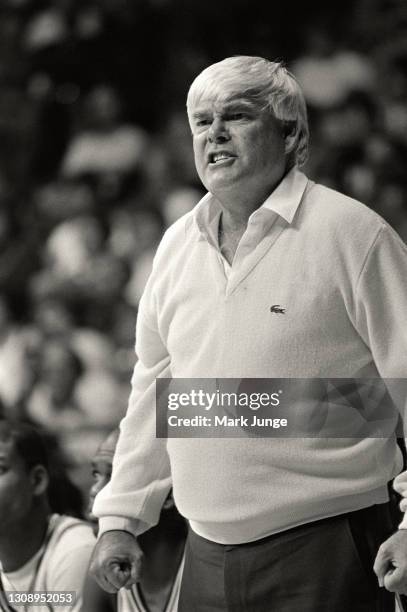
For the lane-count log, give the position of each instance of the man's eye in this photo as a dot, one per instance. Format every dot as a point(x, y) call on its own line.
point(236, 116)
point(203, 122)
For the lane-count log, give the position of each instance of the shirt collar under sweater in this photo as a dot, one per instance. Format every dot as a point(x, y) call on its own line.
point(283, 201)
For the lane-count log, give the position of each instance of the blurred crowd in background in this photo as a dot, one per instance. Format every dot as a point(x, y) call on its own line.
point(96, 161)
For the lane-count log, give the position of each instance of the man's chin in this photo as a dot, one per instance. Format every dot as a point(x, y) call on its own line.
point(222, 182)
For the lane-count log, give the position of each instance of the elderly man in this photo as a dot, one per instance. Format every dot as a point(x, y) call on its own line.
point(270, 276)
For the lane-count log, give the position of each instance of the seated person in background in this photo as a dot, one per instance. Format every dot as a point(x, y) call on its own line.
point(163, 546)
point(39, 551)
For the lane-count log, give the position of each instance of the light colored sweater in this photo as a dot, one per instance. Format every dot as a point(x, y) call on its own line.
point(340, 272)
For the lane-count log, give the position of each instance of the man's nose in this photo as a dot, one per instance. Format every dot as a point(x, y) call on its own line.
point(218, 131)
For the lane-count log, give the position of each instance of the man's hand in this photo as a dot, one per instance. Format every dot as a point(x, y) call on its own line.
point(116, 561)
point(391, 563)
point(400, 485)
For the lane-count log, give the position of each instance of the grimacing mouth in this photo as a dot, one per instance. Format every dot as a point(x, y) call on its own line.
point(216, 156)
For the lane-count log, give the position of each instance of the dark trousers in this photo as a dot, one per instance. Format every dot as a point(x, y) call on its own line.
point(325, 566)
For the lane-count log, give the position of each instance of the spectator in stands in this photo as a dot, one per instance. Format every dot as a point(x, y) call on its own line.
point(63, 199)
point(53, 403)
point(328, 73)
point(80, 267)
point(104, 143)
point(14, 376)
point(19, 246)
point(69, 396)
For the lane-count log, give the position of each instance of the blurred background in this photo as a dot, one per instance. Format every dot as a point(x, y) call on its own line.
point(96, 161)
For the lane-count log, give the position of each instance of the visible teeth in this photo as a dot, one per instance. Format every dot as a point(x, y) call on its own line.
point(219, 156)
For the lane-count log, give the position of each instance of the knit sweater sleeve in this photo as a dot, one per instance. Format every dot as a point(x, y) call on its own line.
point(381, 303)
point(141, 477)
point(382, 316)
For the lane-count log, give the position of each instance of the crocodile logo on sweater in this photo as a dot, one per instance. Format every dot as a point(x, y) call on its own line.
point(276, 308)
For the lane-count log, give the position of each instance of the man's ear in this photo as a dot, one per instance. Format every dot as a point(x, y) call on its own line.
point(290, 141)
point(39, 479)
point(290, 135)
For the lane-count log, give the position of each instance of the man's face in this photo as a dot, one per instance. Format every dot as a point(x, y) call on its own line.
point(237, 145)
point(101, 474)
point(16, 487)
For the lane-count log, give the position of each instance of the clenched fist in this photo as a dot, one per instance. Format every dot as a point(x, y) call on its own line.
point(116, 561)
point(391, 563)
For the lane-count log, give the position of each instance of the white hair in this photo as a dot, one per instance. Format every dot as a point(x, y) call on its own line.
point(269, 84)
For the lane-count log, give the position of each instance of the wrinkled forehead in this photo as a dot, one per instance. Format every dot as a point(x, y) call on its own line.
point(222, 103)
point(217, 86)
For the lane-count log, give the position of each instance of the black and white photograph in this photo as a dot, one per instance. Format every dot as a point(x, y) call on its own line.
point(203, 306)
